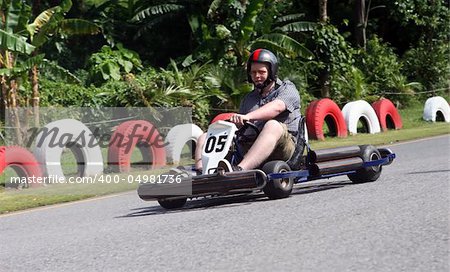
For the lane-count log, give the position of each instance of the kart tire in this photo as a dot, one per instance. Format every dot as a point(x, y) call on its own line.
point(22, 161)
point(436, 109)
point(325, 110)
point(170, 204)
point(387, 114)
point(86, 150)
point(355, 110)
point(145, 137)
point(367, 174)
point(223, 117)
point(277, 188)
point(177, 137)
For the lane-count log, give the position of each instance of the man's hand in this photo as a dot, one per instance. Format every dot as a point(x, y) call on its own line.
point(239, 119)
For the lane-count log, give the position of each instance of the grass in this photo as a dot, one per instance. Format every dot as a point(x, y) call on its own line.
point(13, 200)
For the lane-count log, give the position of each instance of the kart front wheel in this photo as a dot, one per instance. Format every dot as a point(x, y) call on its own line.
point(277, 188)
point(367, 174)
point(172, 203)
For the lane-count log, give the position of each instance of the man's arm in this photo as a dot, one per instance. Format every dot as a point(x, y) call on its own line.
point(266, 112)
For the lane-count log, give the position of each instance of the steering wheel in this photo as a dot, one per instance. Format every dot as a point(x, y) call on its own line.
point(240, 133)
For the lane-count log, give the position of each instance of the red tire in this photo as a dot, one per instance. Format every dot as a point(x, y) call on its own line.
point(387, 114)
point(131, 134)
point(223, 116)
point(325, 110)
point(22, 161)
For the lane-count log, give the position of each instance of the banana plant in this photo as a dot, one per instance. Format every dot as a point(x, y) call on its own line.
point(21, 38)
point(240, 35)
point(47, 24)
point(13, 44)
point(229, 42)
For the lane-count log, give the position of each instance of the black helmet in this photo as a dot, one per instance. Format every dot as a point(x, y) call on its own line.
point(263, 56)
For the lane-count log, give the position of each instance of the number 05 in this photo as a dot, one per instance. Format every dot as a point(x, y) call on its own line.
point(214, 144)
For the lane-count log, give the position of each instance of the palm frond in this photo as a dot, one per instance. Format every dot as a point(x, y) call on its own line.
point(176, 90)
point(214, 7)
point(297, 27)
point(42, 19)
point(283, 43)
point(156, 10)
point(22, 67)
point(149, 25)
point(248, 22)
point(14, 43)
point(289, 18)
point(12, 16)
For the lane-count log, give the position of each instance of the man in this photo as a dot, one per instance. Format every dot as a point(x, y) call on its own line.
point(273, 105)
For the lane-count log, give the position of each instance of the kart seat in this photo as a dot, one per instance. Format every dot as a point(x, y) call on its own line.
point(296, 160)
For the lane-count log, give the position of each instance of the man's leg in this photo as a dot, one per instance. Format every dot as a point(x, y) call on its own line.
point(198, 151)
point(263, 146)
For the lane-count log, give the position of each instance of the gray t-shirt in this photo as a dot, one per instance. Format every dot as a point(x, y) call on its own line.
point(284, 91)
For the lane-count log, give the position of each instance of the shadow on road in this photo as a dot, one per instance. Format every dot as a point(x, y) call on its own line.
point(428, 172)
point(229, 201)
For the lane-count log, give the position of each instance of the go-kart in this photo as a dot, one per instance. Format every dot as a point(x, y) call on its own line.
point(275, 178)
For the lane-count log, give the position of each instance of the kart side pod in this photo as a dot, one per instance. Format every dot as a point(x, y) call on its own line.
point(335, 160)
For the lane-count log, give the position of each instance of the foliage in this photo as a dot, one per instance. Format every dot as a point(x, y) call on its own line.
point(212, 39)
point(430, 18)
point(432, 70)
point(382, 68)
point(353, 85)
point(112, 64)
point(231, 29)
point(229, 32)
point(59, 93)
point(166, 88)
point(335, 56)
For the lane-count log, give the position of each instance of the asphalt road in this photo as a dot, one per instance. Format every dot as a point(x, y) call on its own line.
point(398, 223)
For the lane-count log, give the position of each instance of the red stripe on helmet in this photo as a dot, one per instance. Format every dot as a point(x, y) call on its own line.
point(256, 54)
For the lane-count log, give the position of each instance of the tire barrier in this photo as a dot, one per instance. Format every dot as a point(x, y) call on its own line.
point(131, 134)
point(436, 109)
point(22, 161)
point(387, 114)
point(360, 109)
point(222, 116)
point(325, 110)
point(176, 139)
point(71, 134)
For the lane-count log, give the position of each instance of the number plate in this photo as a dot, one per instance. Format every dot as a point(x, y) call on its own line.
point(218, 141)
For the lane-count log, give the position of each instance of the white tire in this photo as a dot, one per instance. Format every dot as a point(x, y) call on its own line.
point(435, 105)
point(354, 111)
point(177, 137)
point(50, 146)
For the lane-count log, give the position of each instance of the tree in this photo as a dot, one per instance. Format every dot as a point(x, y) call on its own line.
point(324, 76)
point(19, 44)
point(47, 24)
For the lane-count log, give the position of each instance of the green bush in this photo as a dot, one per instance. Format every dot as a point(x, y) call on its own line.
point(429, 64)
point(335, 57)
point(66, 94)
point(112, 64)
point(382, 69)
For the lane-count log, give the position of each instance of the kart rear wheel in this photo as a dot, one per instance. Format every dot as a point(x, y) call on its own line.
point(172, 203)
point(277, 188)
point(367, 174)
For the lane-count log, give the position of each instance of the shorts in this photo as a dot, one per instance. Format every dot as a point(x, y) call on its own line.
point(283, 150)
